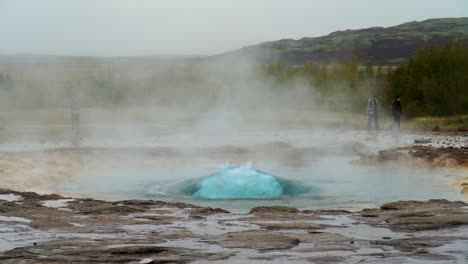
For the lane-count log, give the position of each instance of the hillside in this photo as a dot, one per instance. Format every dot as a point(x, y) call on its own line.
point(376, 45)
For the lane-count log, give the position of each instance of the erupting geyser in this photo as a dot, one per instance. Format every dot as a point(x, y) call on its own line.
point(242, 182)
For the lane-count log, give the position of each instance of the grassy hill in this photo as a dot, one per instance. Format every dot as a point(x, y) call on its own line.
point(376, 45)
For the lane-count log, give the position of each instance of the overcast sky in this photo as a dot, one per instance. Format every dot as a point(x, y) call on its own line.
point(189, 27)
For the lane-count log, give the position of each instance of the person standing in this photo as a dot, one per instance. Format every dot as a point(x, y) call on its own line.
point(372, 112)
point(397, 111)
point(75, 114)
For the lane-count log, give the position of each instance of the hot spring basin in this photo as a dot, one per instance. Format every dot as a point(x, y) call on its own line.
point(241, 182)
point(331, 182)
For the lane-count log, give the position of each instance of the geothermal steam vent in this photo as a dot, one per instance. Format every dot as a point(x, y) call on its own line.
point(242, 182)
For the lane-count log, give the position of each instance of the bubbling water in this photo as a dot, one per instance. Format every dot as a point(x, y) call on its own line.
point(232, 182)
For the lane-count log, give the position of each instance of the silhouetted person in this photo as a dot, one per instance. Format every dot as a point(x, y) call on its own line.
point(75, 114)
point(372, 112)
point(397, 111)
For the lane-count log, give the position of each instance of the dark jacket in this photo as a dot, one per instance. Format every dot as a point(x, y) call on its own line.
point(396, 108)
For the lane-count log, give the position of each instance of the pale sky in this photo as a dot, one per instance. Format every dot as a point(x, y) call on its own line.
point(192, 27)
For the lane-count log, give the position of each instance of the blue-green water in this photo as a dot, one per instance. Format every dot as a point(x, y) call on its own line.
point(236, 182)
point(329, 182)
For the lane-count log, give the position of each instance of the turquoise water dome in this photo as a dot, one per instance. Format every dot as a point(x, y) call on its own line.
point(243, 181)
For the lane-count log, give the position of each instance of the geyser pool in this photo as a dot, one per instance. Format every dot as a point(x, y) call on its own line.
point(334, 183)
point(243, 181)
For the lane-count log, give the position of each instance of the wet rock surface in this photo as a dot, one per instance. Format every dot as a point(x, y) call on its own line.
point(54, 229)
point(259, 240)
point(421, 155)
point(413, 216)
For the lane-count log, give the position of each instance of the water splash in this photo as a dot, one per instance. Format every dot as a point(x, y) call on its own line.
point(242, 182)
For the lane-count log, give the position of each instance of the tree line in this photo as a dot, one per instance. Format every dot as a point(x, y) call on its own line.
point(433, 83)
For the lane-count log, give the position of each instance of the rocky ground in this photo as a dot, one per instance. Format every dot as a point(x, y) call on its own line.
point(54, 229)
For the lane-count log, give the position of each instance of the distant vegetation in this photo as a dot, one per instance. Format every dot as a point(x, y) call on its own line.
point(344, 86)
point(434, 82)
